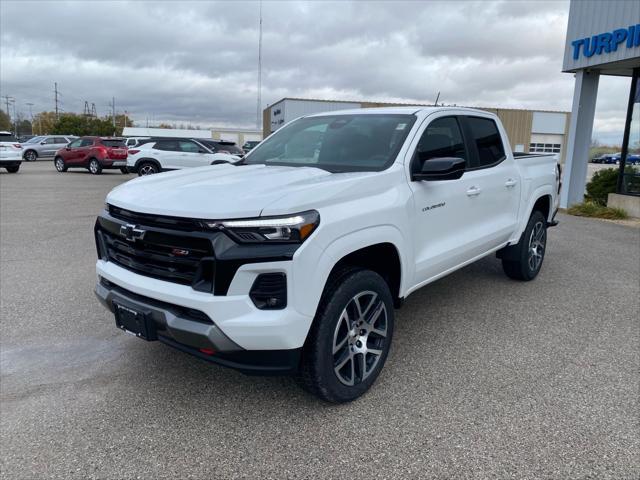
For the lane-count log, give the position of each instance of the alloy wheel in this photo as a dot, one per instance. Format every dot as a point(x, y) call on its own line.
point(147, 170)
point(360, 338)
point(30, 156)
point(537, 242)
point(59, 164)
point(93, 166)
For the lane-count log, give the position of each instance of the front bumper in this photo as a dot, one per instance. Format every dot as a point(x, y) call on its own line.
point(192, 331)
point(234, 315)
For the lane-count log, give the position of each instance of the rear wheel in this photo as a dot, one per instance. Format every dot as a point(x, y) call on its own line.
point(124, 170)
point(94, 167)
point(30, 156)
point(350, 338)
point(60, 165)
point(13, 169)
point(526, 261)
point(147, 168)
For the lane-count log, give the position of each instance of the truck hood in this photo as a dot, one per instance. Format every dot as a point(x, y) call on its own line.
point(227, 191)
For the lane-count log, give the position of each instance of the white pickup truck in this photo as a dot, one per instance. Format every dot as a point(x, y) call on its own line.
point(293, 259)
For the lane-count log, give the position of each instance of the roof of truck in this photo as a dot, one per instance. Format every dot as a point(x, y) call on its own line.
point(408, 110)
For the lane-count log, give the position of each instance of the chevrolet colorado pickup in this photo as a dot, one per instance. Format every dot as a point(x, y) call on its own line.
point(293, 259)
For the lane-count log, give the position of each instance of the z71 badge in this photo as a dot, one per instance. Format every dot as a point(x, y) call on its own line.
point(437, 205)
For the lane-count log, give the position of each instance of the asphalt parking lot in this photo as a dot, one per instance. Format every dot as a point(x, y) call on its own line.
point(487, 377)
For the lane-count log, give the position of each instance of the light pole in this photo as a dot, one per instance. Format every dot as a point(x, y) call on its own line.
point(30, 115)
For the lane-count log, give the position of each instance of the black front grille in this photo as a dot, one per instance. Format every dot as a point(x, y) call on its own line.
point(161, 255)
point(159, 221)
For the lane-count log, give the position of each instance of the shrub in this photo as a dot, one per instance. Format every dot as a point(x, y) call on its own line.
point(591, 209)
point(603, 183)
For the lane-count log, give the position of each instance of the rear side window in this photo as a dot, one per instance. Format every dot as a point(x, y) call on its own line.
point(167, 145)
point(442, 138)
point(484, 132)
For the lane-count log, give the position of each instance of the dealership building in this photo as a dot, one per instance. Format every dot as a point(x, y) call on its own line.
point(529, 130)
point(603, 38)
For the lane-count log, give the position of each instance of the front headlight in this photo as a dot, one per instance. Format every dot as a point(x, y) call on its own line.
point(294, 228)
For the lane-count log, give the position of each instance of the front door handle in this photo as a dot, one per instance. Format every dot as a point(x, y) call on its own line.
point(473, 191)
point(510, 183)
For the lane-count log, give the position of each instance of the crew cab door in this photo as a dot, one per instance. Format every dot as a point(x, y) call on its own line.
point(443, 217)
point(496, 178)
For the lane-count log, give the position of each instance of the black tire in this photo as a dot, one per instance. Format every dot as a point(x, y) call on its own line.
point(124, 170)
point(58, 162)
point(13, 169)
point(522, 263)
point(30, 155)
point(94, 166)
point(147, 168)
point(321, 372)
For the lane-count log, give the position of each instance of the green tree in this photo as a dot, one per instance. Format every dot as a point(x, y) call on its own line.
point(43, 123)
point(5, 121)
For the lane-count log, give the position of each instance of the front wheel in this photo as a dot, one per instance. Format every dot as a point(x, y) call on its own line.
point(350, 338)
point(13, 169)
point(528, 253)
point(94, 167)
point(30, 156)
point(60, 165)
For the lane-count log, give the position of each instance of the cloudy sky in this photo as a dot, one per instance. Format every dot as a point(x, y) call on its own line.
point(196, 62)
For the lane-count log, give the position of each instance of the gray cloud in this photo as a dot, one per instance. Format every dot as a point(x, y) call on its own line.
point(196, 61)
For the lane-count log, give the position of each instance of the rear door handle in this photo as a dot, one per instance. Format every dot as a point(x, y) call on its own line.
point(473, 191)
point(510, 183)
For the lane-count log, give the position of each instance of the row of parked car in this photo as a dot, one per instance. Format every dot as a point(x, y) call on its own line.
point(614, 159)
point(131, 155)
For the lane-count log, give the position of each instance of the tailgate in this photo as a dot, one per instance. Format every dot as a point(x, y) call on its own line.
point(117, 153)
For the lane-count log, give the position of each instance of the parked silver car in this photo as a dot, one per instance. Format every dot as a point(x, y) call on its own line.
point(44, 146)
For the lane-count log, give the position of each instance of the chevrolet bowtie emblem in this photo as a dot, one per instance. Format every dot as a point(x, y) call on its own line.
point(131, 233)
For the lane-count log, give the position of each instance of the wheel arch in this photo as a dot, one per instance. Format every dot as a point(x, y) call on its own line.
point(142, 160)
point(542, 199)
point(379, 249)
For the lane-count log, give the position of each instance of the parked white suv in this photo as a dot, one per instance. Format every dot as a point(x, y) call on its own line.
point(10, 152)
point(294, 259)
point(161, 154)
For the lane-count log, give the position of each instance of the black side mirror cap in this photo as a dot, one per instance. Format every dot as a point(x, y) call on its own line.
point(445, 168)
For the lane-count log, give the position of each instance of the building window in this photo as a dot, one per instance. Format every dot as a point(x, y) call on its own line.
point(544, 148)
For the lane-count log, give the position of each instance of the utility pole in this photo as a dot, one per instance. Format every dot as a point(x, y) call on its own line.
point(94, 113)
point(15, 117)
point(55, 89)
point(30, 115)
point(113, 114)
point(258, 112)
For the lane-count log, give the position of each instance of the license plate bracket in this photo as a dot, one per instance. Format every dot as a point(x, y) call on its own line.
point(134, 322)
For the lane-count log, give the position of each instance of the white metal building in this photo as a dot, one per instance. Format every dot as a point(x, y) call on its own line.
point(603, 38)
point(238, 135)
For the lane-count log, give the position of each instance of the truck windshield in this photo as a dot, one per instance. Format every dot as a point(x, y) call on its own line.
point(336, 143)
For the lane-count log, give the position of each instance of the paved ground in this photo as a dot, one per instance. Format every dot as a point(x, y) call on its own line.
point(488, 378)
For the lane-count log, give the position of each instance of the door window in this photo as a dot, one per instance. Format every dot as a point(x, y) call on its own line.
point(75, 144)
point(59, 140)
point(86, 142)
point(50, 141)
point(190, 147)
point(484, 132)
point(442, 138)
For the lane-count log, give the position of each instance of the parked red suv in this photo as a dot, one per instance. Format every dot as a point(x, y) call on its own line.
point(94, 154)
